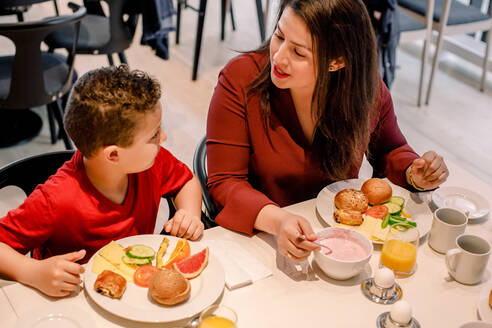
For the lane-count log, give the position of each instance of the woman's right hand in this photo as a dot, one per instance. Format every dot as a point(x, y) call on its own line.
point(289, 241)
point(57, 276)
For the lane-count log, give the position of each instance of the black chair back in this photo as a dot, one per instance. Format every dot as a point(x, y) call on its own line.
point(200, 170)
point(31, 171)
point(28, 172)
point(121, 32)
point(27, 84)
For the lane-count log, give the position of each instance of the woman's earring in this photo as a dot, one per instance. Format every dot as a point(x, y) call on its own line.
point(331, 69)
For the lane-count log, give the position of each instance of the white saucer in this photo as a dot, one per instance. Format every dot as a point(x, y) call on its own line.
point(465, 200)
point(55, 315)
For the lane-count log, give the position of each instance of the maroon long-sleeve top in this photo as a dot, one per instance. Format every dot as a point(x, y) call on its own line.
point(252, 164)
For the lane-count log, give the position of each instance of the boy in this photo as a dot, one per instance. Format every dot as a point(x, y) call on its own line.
point(110, 189)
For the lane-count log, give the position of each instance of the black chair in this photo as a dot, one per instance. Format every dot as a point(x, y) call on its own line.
point(28, 172)
point(183, 4)
point(100, 34)
point(200, 170)
point(33, 77)
point(31, 171)
point(19, 7)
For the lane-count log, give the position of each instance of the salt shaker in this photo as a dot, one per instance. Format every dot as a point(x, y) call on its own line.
point(400, 316)
point(382, 288)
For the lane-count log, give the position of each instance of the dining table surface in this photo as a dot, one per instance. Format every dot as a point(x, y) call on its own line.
point(303, 296)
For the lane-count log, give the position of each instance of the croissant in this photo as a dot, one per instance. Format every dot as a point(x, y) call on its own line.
point(111, 284)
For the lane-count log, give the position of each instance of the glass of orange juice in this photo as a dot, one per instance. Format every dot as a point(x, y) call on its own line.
point(399, 251)
point(218, 316)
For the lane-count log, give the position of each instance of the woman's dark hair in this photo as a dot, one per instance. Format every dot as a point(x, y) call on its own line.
point(342, 100)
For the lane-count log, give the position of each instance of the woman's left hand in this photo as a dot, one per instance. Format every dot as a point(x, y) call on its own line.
point(427, 172)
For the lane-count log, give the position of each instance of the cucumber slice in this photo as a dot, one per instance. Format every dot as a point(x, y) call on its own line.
point(140, 252)
point(412, 223)
point(405, 226)
point(396, 219)
point(130, 261)
point(393, 208)
point(397, 200)
point(386, 221)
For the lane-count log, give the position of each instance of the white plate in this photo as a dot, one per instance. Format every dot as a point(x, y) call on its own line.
point(137, 305)
point(484, 309)
point(463, 199)
point(419, 210)
point(55, 316)
point(476, 324)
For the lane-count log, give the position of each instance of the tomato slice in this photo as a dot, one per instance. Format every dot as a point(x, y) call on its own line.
point(142, 275)
point(377, 211)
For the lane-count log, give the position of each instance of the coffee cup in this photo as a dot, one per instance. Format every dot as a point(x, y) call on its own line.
point(448, 224)
point(467, 262)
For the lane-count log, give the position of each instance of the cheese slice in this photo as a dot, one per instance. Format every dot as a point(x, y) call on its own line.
point(380, 233)
point(99, 264)
point(368, 225)
point(113, 253)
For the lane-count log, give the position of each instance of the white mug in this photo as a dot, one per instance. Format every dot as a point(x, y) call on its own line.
point(467, 262)
point(448, 224)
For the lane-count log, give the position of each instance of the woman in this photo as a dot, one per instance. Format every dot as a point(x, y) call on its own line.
point(298, 114)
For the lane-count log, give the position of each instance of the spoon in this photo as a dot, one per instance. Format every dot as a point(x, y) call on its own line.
point(302, 237)
point(193, 323)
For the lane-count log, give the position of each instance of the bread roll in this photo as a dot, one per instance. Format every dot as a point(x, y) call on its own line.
point(351, 199)
point(348, 217)
point(377, 191)
point(111, 284)
point(169, 287)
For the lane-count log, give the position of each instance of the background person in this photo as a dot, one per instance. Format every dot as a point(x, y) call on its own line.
point(298, 114)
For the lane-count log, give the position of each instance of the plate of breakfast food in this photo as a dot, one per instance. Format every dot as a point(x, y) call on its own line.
point(474, 205)
point(372, 207)
point(154, 278)
point(485, 303)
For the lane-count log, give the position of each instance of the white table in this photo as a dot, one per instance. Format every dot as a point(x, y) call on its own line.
point(313, 300)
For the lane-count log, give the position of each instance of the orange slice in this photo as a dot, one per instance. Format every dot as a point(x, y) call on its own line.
point(180, 252)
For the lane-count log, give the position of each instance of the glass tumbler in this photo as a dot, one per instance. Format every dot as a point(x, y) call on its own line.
point(399, 252)
point(218, 316)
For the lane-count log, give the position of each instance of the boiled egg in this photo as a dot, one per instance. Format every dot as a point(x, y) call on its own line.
point(384, 278)
point(401, 312)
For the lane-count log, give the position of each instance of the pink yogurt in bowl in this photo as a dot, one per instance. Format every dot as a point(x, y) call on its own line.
point(351, 251)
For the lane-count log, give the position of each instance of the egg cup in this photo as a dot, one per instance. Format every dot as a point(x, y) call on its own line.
point(384, 321)
point(379, 294)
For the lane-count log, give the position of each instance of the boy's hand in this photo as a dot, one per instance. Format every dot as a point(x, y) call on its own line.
point(185, 225)
point(58, 276)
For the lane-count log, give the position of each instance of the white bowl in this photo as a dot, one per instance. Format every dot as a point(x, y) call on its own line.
point(343, 269)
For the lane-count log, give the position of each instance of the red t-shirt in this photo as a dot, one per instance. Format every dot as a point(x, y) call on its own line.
point(251, 165)
point(67, 213)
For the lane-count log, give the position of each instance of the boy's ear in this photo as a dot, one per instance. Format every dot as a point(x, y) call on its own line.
point(111, 154)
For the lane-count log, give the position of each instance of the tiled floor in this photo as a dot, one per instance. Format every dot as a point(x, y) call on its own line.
point(456, 123)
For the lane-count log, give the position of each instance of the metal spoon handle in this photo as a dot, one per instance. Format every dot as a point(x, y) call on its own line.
point(302, 237)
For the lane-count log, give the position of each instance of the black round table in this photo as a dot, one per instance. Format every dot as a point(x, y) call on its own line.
point(18, 126)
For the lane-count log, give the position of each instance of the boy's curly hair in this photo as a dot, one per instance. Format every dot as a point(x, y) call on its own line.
point(104, 104)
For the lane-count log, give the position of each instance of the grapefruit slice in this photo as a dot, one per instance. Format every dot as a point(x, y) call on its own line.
point(181, 251)
point(192, 266)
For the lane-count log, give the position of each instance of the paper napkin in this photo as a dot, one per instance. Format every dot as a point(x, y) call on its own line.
point(240, 267)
